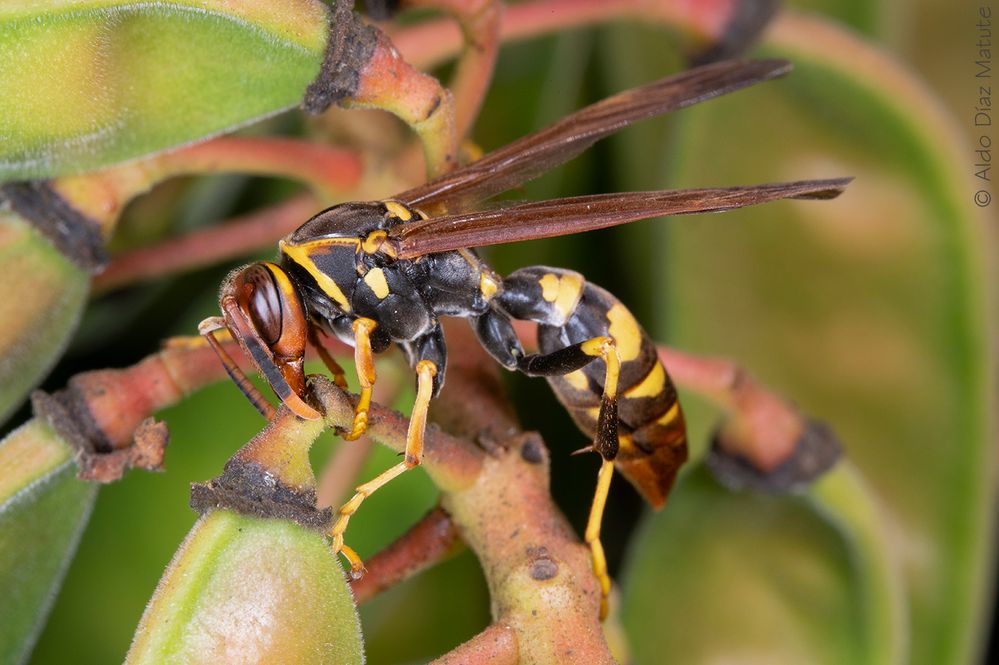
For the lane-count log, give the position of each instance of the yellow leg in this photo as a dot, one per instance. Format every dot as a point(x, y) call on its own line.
point(605, 348)
point(191, 342)
point(606, 443)
point(592, 536)
point(365, 363)
point(425, 372)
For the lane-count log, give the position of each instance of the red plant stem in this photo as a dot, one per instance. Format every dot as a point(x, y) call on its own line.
point(764, 427)
point(434, 42)
point(236, 237)
point(428, 542)
point(330, 172)
point(496, 645)
point(387, 81)
point(479, 22)
point(118, 400)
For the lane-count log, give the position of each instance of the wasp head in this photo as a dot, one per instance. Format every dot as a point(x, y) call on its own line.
point(264, 313)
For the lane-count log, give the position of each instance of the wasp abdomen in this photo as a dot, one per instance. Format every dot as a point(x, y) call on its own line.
point(570, 310)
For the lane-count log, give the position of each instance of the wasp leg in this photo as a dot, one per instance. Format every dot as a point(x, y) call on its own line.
point(605, 440)
point(207, 328)
point(425, 372)
point(339, 375)
point(365, 363)
point(192, 342)
point(592, 534)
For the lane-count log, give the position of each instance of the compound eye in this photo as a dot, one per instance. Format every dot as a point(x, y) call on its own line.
point(264, 304)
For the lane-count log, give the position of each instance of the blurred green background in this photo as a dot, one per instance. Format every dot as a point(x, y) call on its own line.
point(872, 312)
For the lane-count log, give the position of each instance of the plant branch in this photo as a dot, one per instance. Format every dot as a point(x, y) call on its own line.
point(389, 82)
point(539, 573)
point(479, 22)
point(102, 195)
point(763, 427)
point(431, 43)
point(496, 645)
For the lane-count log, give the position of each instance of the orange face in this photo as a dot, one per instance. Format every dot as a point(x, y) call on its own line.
point(265, 315)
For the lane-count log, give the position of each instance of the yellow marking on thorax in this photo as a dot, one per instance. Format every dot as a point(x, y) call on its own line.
point(375, 279)
point(668, 417)
point(300, 255)
point(577, 380)
point(549, 287)
point(625, 331)
point(651, 385)
point(375, 241)
point(488, 286)
point(563, 292)
point(399, 210)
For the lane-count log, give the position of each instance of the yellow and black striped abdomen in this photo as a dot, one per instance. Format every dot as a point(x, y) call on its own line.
point(652, 434)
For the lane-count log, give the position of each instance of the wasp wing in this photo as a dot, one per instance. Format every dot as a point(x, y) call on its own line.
point(534, 154)
point(545, 219)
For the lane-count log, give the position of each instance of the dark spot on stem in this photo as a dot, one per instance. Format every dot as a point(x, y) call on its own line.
point(543, 569)
point(433, 107)
point(533, 452)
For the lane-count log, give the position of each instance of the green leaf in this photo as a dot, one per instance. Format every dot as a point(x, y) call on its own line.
point(250, 590)
point(33, 330)
point(43, 509)
point(870, 311)
point(87, 83)
point(740, 577)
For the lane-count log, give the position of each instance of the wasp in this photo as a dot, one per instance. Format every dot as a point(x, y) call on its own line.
point(379, 273)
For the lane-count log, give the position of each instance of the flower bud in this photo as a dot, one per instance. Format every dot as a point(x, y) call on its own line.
point(248, 590)
point(43, 509)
